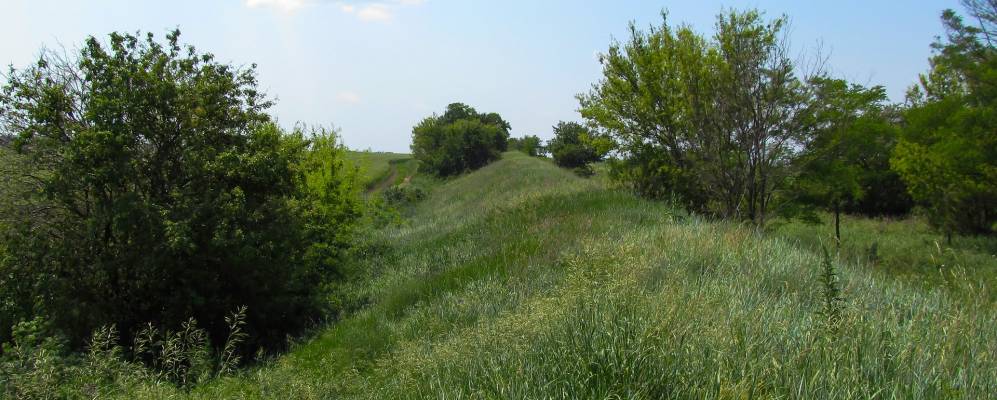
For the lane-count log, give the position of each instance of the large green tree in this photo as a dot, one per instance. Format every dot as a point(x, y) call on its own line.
point(948, 152)
point(152, 187)
point(715, 122)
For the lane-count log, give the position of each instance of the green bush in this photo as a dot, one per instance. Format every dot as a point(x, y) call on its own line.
point(152, 187)
point(403, 195)
point(529, 144)
point(460, 140)
point(572, 147)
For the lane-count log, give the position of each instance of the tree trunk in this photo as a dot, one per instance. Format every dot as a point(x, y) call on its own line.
point(837, 223)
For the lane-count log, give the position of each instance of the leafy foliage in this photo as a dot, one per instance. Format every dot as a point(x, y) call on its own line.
point(713, 122)
point(529, 144)
point(573, 146)
point(152, 187)
point(845, 166)
point(948, 152)
point(459, 140)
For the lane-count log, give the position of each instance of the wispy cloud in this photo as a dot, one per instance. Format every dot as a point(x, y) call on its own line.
point(348, 97)
point(377, 11)
point(286, 6)
point(368, 11)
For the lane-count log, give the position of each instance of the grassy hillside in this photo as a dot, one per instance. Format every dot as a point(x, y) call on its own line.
point(382, 169)
point(522, 280)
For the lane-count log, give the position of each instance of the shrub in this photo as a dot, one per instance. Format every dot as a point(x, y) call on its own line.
point(572, 146)
point(529, 144)
point(403, 195)
point(152, 187)
point(459, 140)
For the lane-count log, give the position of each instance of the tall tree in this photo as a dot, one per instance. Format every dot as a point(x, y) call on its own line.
point(715, 121)
point(948, 152)
point(847, 159)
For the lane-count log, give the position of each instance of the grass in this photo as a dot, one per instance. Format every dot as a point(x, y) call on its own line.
point(906, 249)
point(380, 170)
point(522, 280)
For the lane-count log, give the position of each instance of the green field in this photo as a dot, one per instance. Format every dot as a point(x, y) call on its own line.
point(522, 280)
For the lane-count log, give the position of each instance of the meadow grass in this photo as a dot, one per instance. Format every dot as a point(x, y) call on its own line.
point(522, 280)
point(381, 168)
point(902, 248)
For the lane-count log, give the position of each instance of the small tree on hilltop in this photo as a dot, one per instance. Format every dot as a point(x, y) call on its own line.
point(459, 140)
point(574, 147)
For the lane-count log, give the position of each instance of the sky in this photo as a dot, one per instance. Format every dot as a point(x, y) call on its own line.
point(373, 69)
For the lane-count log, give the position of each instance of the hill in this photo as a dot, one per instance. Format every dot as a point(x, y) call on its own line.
point(379, 170)
point(522, 280)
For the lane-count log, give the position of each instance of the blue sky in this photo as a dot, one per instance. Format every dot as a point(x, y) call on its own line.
point(375, 68)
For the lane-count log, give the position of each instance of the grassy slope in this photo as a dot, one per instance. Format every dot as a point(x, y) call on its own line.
point(524, 281)
point(382, 169)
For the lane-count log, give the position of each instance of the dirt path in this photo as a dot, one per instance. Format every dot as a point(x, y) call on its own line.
point(386, 182)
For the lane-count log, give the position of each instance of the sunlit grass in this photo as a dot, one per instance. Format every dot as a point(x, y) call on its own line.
point(376, 167)
point(522, 280)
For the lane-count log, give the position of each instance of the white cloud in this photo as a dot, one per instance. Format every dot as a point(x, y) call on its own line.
point(348, 97)
point(368, 11)
point(287, 6)
point(376, 12)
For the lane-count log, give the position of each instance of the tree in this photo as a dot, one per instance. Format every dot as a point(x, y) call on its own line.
point(572, 147)
point(846, 162)
point(713, 122)
point(153, 187)
point(529, 144)
point(459, 140)
point(947, 155)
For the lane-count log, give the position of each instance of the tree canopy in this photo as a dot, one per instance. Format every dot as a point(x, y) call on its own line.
point(714, 122)
point(947, 154)
point(459, 140)
point(152, 187)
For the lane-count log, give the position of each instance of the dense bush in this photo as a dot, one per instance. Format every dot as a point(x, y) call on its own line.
point(529, 144)
point(147, 184)
point(572, 147)
point(459, 140)
point(403, 195)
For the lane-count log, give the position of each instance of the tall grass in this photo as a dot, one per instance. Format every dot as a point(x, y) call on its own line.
point(905, 249)
point(524, 281)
